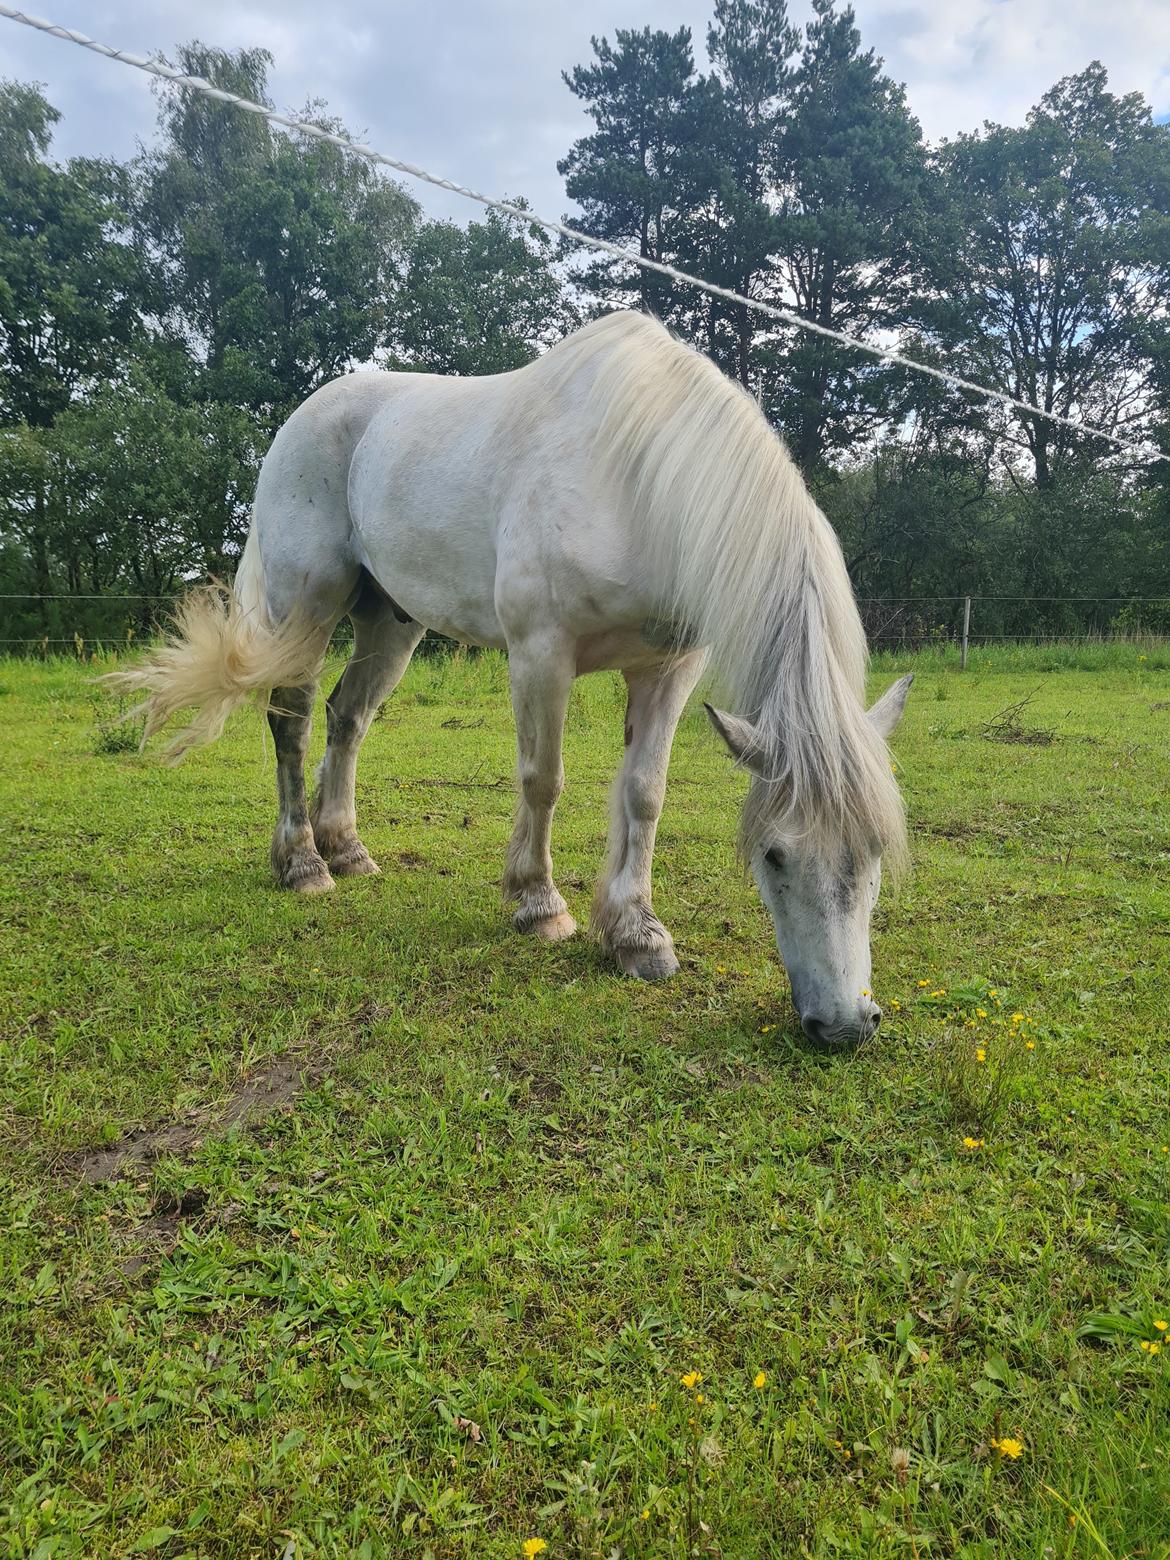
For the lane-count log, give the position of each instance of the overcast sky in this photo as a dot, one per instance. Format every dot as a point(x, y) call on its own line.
point(472, 88)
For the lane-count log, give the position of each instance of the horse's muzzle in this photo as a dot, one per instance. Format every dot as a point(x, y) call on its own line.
point(833, 1035)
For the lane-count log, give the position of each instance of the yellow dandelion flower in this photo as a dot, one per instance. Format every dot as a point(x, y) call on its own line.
point(1017, 1018)
point(1008, 1446)
point(691, 1380)
point(994, 992)
point(533, 1547)
point(895, 1004)
point(651, 1408)
point(721, 969)
point(645, 1513)
point(922, 983)
point(970, 1142)
point(980, 1012)
point(1151, 1348)
point(980, 1055)
point(760, 1379)
point(1162, 1326)
point(1029, 1045)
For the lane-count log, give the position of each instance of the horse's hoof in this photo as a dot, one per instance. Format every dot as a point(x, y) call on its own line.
point(554, 928)
point(647, 963)
point(319, 883)
point(354, 860)
point(306, 874)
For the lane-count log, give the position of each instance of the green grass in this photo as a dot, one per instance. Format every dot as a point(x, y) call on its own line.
point(429, 1219)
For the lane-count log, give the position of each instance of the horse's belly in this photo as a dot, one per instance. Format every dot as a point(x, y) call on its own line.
point(610, 649)
point(424, 523)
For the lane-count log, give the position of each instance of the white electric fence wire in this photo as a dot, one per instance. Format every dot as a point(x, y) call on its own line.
point(359, 149)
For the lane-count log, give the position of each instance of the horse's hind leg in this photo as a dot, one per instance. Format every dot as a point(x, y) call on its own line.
point(294, 856)
point(384, 641)
point(319, 589)
point(622, 917)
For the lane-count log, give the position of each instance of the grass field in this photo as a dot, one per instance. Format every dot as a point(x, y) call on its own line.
point(361, 1226)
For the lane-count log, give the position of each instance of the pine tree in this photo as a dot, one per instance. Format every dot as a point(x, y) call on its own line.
point(851, 185)
point(627, 175)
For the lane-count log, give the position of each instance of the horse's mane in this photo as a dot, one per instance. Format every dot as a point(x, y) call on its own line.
point(755, 572)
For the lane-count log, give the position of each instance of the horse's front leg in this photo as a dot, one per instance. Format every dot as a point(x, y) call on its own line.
point(623, 918)
point(541, 670)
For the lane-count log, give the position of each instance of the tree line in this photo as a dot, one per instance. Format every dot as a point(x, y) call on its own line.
point(160, 318)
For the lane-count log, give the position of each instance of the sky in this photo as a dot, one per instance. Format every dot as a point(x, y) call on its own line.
point(472, 89)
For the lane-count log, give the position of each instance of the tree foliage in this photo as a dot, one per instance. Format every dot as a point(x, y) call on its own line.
point(279, 256)
point(159, 321)
point(1053, 280)
point(480, 299)
point(70, 270)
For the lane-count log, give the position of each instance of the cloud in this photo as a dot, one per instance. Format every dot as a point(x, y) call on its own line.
point(966, 61)
point(472, 88)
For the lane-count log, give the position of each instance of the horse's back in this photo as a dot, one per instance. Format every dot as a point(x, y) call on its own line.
point(476, 503)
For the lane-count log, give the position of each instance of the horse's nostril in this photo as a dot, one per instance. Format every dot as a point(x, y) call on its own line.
point(814, 1029)
point(842, 1034)
point(831, 1037)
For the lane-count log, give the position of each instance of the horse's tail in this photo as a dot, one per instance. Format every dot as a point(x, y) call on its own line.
point(221, 650)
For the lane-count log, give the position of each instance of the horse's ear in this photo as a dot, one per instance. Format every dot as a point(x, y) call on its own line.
point(740, 736)
point(887, 712)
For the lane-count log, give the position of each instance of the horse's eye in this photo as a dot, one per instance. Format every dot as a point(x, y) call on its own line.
point(774, 859)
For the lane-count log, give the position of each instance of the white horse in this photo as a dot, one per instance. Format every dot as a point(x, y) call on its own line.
point(617, 503)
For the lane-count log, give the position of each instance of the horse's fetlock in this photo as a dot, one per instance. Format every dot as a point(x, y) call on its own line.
point(344, 852)
point(538, 902)
point(629, 924)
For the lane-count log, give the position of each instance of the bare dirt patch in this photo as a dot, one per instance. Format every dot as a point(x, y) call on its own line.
point(258, 1095)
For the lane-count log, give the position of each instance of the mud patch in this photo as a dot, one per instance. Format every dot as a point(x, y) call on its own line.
point(263, 1092)
point(947, 829)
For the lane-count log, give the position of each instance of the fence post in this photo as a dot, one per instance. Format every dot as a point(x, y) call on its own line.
point(966, 631)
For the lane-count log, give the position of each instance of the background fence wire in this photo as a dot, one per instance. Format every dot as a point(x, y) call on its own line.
point(80, 624)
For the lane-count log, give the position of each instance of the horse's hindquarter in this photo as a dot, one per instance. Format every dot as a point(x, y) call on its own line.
point(480, 511)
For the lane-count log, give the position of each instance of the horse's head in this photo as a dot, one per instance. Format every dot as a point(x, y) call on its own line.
point(820, 899)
